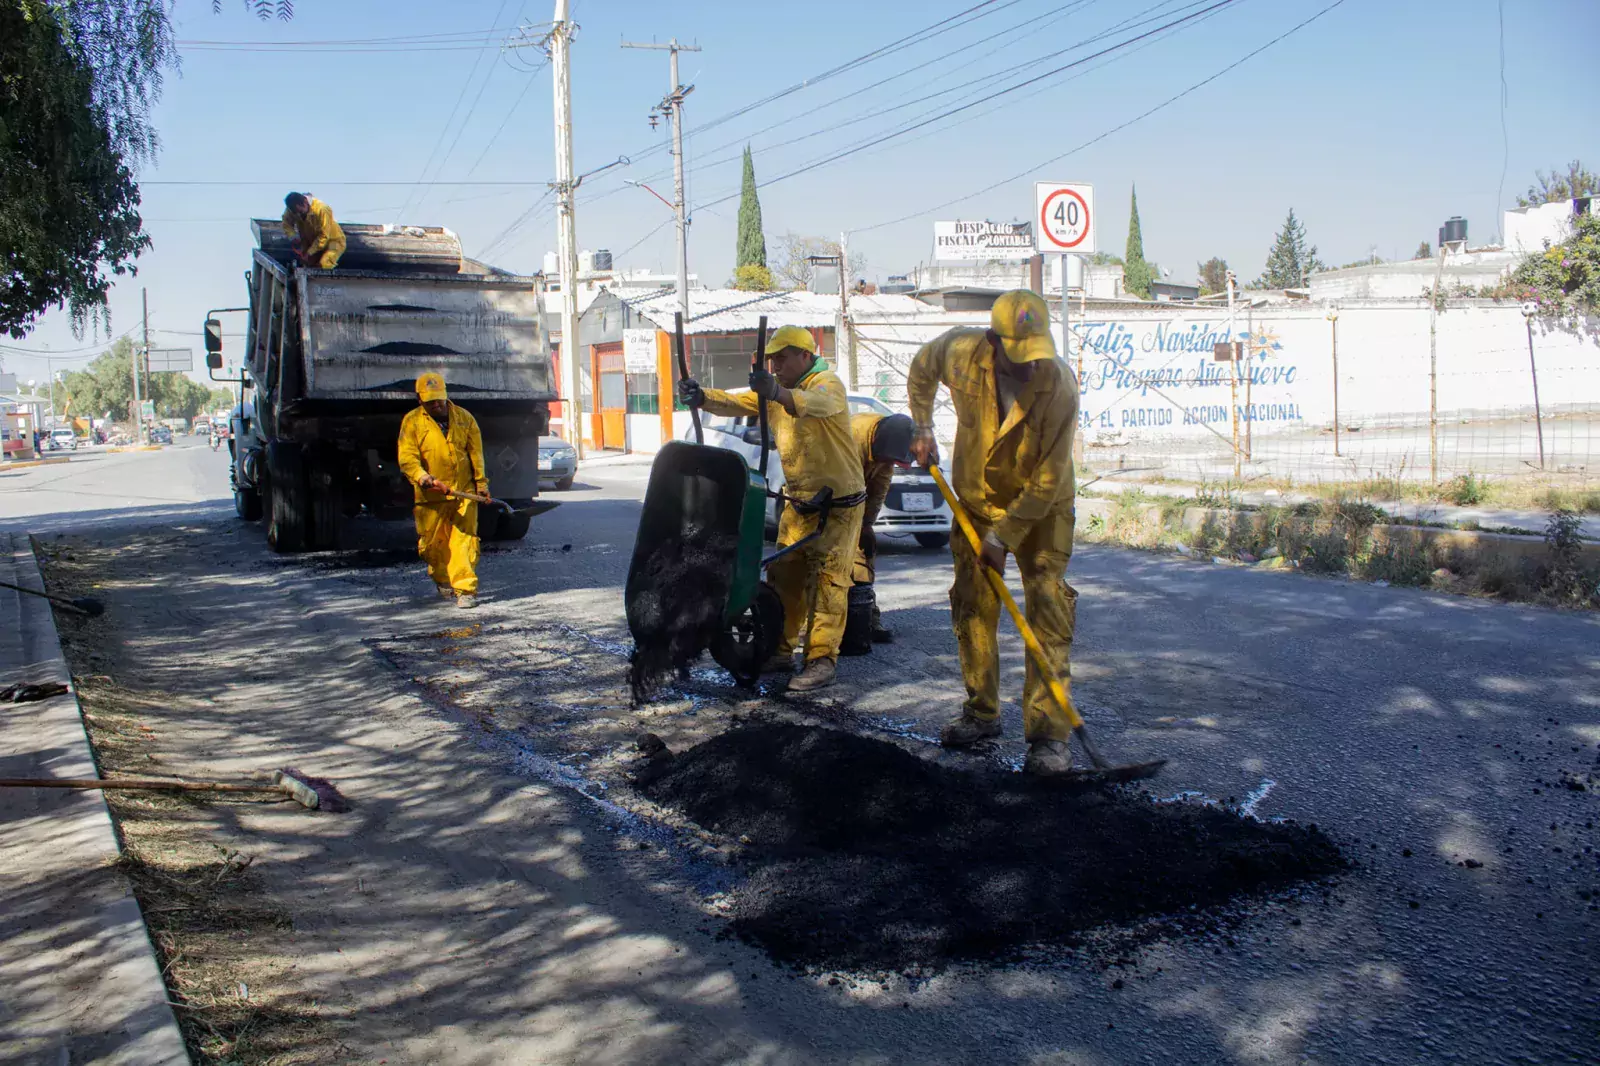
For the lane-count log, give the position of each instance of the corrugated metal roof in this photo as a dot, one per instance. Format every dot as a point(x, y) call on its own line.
point(735, 310)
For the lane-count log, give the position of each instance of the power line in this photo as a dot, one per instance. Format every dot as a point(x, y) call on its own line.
point(495, 136)
point(1113, 130)
point(253, 181)
point(902, 131)
point(501, 10)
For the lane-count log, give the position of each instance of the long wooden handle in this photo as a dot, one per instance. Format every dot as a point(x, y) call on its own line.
point(761, 416)
point(1057, 691)
point(132, 782)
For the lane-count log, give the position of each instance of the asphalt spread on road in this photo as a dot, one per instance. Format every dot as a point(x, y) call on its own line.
point(860, 855)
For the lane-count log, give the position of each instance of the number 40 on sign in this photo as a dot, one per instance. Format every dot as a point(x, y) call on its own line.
point(1064, 220)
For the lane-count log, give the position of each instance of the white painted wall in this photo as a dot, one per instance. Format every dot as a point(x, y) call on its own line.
point(1148, 373)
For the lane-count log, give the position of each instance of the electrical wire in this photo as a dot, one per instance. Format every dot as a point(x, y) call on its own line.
point(501, 10)
point(902, 131)
point(503, 122)
point(1113, 130)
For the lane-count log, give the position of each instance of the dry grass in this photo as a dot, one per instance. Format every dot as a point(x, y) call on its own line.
point(219, 937)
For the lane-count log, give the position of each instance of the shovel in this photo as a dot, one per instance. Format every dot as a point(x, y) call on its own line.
point(537, 507)
point(1104, 772)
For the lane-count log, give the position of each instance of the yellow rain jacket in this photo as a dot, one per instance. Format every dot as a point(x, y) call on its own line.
point(818, 451)
point(877, 476)
point(320, 236)
point(1014, 476)
point(447, 528)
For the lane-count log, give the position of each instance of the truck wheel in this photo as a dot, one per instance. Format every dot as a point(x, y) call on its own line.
point(247, 504)
point(932, 540)
point(327, 508)
point(749, 641)
point(287, 519)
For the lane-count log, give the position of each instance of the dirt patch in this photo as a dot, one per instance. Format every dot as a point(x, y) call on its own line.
point(218, 934)
point(863, 856)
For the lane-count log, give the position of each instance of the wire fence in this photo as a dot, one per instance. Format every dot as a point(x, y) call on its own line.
point(1374, 398)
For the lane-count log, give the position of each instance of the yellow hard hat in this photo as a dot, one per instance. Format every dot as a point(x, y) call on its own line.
point(1023, 322)
point(430, 386)
point(791, 337)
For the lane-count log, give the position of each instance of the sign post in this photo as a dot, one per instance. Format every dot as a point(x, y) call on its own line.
point(1064, 224)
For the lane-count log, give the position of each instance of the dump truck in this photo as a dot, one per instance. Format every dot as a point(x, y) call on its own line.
point(329, 369)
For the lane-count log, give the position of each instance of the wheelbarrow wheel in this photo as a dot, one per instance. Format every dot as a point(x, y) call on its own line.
point(752, 638)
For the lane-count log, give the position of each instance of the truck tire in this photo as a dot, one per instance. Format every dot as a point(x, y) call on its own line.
point(327, 508)
point(247, 504)
point(288, 520)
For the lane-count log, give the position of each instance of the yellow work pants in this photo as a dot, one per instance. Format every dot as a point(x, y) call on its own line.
point(824, 564)
point(447, 540)
point(1050, 605)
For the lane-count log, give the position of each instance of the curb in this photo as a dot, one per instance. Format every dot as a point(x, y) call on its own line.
point(81, 979)
point(23, 464)
point(137, 448)
point(1420, 538)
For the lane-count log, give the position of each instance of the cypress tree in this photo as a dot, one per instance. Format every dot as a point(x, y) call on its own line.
point(752, 245)
point(1290, 262)
point(1135, 271)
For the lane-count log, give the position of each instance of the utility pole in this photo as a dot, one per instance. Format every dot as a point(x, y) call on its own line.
point(1333, 318)
point(138, 421)
point(1434, 299)
point(844, 341)
point(566, 186)
point(672, 106)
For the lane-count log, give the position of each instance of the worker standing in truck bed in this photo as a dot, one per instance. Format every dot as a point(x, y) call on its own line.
point(441, 451)
point(315, 236)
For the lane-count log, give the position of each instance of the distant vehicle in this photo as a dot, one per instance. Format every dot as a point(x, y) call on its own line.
point(62, 438)
point(160, 435)
point(558, 462)
point(202, 427)
point(913, 505)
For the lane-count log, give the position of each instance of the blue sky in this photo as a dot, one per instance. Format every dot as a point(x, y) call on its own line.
point(1374, 123)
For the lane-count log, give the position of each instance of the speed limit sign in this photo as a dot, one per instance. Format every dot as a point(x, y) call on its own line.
point(1065, 219)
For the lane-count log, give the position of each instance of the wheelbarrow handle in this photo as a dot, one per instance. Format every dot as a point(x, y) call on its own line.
point(761, 416)
point(683, 371)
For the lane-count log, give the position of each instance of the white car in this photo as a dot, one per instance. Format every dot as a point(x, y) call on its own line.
point(913, 506)
point(63, 437)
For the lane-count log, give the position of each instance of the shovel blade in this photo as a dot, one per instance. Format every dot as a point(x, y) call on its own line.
point(1098, 777)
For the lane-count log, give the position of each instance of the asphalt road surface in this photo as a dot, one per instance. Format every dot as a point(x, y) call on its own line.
point(533, 911)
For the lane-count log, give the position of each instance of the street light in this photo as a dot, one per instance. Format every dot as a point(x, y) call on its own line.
point(1530, 309)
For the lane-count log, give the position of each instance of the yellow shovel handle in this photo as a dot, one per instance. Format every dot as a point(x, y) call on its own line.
point(1057, 691)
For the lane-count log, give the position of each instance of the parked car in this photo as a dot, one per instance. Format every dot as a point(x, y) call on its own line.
point(913, 506)
point(62, 438)
point(160, 435)
point(201, 427)
point(558, 462)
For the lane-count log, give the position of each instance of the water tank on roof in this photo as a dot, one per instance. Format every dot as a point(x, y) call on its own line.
point(602, 259)
point(552, 264)
point(585, 263)
point(1454, 231)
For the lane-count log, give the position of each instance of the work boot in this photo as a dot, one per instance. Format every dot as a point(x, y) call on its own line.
point(966, 731)
point(446, 592)
point(818, 673)
point(1048, 758)
point(881, 635)
point(779, 663)
point(466, 601)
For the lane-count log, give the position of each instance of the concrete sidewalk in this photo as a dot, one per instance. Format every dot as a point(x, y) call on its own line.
point(79, 981)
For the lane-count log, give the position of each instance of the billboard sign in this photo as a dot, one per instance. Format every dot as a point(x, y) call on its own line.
point(976, 241)
point(168, 360)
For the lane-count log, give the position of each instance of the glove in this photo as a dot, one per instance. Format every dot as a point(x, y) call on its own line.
point(763, 384)
point(690, 392)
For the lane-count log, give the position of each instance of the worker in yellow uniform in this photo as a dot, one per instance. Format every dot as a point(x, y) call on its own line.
point(883, 442)
point(316, 238)
point(1017, 408)
point(441, 451)
point(810, 420)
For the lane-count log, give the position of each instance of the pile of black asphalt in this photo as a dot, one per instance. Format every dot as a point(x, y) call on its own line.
point(860, 855)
